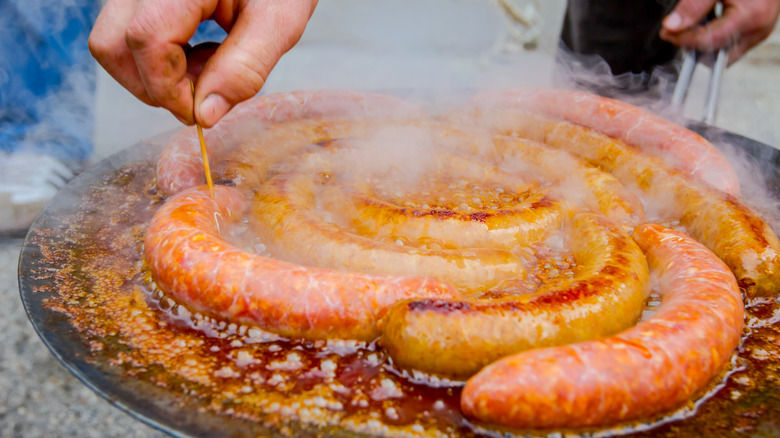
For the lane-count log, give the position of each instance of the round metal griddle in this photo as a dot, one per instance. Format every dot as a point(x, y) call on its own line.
point(37, 284)
point(53, 245)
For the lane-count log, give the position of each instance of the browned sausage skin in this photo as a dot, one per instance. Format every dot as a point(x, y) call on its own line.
point(648, 369)
point(192, 263)
point(729, 228)
point(455, 339)
point(180, 165)
point(436, 325)
point(681, 148)
point(288, 215)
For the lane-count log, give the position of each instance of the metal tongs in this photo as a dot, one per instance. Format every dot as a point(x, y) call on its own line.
point(690, 58)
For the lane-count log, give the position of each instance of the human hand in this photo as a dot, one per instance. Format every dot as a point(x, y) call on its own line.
point(744, 24)
point(143, 45)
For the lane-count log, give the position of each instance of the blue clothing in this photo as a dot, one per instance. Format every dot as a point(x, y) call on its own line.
point(47, 76)
point(208, 31)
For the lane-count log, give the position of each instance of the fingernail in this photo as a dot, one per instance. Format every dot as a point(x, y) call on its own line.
point(213, 108)
point(673, 21)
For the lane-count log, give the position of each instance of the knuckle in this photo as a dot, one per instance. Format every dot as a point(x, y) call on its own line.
point(97, 47)
point(246, 84)
point(240, 78)
point(100, 46)
point(138, 35)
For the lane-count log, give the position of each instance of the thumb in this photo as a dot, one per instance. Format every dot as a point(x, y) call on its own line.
point(687, 14)
point(263, 31)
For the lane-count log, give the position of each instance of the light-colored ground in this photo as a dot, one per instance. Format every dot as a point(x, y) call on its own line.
point(468, 46)
point(38, 396)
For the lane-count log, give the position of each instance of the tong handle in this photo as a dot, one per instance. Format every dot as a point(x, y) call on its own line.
point(690, 58)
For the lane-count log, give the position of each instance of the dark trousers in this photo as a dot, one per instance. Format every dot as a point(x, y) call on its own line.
point(621, 33)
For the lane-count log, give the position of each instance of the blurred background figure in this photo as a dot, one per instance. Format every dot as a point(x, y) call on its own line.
point(47, 100)
point(632, 47)
point(619, 43)
point(47, 81)
point(47, 85)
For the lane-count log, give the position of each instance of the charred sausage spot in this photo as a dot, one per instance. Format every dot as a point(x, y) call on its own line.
point(479, 216)
point(439, 306)
point(754, 223)
point(225, 182)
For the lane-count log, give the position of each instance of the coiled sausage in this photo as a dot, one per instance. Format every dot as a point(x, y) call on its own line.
point(191, 262)
point(720, 221)
point(180, 166)
point(680, 147)
point(648, 369)
point(455, 339)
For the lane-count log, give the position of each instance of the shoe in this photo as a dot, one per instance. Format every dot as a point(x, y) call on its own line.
point(27, 182)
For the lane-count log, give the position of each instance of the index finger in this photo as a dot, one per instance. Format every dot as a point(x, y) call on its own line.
point(687, 15)
point(711, 36)
point(108, 47)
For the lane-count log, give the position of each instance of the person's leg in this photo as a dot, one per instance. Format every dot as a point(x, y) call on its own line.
point(47, 78)
point(47, 87)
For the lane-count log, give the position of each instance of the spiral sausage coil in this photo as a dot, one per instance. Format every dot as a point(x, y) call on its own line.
point(505, 243)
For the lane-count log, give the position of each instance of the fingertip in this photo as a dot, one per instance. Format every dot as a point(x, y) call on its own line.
point(179, 101)
point(95, 44)
point(673, 22)
point(212, 109)
point(687, 14)
point(182, 119)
